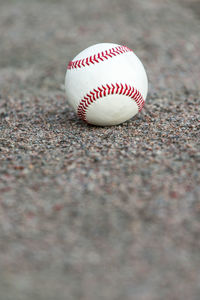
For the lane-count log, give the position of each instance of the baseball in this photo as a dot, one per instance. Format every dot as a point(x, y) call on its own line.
point(106, 84)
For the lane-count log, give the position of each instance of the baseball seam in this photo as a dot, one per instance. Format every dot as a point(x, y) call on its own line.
point(97, 58)
point(106, 90)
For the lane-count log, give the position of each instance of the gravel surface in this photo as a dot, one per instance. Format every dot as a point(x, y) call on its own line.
point(93, 213)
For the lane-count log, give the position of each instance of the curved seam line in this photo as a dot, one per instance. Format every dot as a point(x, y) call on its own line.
point(106, 90)
point(97, 58)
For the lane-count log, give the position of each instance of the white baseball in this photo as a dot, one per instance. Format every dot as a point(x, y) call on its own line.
point(106, 84)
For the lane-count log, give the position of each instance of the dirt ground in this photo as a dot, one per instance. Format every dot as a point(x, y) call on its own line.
point(93, 213)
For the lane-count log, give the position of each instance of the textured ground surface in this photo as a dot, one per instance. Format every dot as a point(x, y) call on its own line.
point(99, 213)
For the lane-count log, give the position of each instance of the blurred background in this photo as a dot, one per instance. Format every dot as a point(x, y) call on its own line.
point(99, 213)
point(46, 34)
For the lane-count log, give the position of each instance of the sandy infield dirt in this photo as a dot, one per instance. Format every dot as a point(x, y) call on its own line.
point(93, 213)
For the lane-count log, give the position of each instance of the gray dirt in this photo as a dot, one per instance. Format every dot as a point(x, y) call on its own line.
point(93, 213)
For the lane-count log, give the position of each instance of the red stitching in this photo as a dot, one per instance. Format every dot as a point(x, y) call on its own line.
point(96, 58)
point(105, 90)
